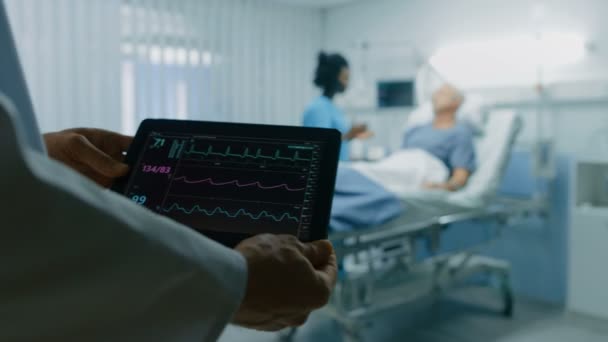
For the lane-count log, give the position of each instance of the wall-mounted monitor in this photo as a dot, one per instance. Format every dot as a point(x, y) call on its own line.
point(393, 94)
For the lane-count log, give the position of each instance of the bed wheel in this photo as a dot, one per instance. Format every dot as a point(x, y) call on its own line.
point(287, 335)
point(508, 302)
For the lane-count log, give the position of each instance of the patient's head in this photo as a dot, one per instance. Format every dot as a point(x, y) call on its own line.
point(447, 100)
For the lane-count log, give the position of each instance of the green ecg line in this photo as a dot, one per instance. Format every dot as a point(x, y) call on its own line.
point(240, 212)
point(301, 147)
point(246, 154)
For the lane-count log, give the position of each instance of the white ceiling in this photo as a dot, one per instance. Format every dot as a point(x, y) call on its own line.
point(316, 3)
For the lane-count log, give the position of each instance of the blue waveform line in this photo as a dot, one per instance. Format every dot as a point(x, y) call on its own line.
point(240, 212)
point(245, 154)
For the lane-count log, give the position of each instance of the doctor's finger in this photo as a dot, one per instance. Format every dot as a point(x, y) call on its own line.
point(122, 141)
point(112, 143)
point(328, 274)
point(93, 175)
point(116, 144)
point(272, 327)
point(295, 321)
point(86, 153)
point(322, 284)
point(318, 252)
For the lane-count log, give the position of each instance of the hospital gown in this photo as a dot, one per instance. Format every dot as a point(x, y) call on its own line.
point(454, 146)
point(324, 114)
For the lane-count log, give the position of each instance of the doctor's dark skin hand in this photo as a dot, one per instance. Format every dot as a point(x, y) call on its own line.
point(95, 153)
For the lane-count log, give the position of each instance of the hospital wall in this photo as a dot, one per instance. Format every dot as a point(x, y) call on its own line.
point(112, 63)
point(426, 25)
point(389, 39)
point(400, 35)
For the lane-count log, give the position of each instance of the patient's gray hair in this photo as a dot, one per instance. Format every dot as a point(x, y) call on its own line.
point(448, 93)
point(456, 93)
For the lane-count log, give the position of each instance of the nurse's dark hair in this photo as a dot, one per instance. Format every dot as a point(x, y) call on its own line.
point(328, 70)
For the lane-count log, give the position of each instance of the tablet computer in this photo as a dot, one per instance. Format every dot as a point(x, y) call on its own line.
point(232, 181)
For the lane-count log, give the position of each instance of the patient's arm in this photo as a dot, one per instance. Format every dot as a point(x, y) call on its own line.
point(460, 177)
point(462, 159)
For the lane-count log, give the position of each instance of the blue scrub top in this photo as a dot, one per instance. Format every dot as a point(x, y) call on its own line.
point(323, 113)
point(454, 146)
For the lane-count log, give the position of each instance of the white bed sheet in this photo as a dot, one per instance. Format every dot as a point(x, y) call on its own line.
point(493, 147)
point(404, 172)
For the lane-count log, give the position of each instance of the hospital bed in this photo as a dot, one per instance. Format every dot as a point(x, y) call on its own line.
point(381, 266)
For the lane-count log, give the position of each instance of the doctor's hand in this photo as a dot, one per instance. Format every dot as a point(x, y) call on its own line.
point(95, 153)
point(287, 280)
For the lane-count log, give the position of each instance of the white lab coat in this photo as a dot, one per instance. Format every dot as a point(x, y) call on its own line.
point(79, 263)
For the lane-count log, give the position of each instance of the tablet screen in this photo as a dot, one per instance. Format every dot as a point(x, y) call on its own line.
point(229, 187)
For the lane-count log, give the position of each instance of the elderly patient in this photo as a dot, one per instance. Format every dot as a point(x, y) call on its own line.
point(438, 155)
point(446, 139)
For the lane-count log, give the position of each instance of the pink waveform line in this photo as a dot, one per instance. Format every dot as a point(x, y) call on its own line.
point(238, 184)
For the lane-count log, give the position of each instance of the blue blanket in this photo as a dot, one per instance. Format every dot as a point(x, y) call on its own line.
point(360, 202)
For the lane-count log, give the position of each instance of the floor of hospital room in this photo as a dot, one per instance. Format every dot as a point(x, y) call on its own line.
point(466, 315)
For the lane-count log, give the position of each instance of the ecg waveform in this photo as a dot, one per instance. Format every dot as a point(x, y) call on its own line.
point(220, 211)
point(238, 184)
point(228, 153)
point(230, 185)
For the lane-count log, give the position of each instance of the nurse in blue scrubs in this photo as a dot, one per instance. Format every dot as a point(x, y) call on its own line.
point(332, 77)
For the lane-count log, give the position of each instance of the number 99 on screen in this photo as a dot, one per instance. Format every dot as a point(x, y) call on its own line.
point(139, 199)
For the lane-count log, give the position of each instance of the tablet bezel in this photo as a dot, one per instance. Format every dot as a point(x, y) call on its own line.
point(330, 138)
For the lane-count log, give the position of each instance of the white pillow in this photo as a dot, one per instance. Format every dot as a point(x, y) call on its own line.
point(492, 151)
point(472, 111)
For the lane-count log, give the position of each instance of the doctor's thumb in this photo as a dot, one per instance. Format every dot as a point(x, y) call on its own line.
point(318, 252)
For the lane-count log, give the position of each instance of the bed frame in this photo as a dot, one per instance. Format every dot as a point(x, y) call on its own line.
point(389, 274)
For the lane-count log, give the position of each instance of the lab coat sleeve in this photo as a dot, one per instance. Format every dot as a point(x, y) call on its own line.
point(78, 263)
